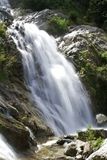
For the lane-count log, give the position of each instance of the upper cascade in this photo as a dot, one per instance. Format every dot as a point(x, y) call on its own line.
point(55, 87)
point(6, 13)
point(4, 3)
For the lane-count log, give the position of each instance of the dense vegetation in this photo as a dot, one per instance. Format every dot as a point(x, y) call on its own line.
point(89, 11)
point(92, 65)
point(58, 25)
point(98, 12)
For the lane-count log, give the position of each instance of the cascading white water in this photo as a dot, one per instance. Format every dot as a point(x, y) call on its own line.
point(4, 3)
point(55, 87)
point(6, 152)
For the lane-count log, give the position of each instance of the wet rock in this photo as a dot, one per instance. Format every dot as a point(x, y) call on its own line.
point(8, 110)
point(71, 149)
point(3, 108)
point(75, 148)
point(71, 137)
point(16, 113)
point(62, 141)
point(6, 14)
point(15, 133)
point(13, 112)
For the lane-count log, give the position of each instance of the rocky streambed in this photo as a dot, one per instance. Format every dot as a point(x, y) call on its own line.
point(85, 145)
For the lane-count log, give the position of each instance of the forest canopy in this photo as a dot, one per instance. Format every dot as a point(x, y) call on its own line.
point(94, 11)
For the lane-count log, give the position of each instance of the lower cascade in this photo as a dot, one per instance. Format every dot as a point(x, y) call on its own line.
point(6, 152)
point(55, 87)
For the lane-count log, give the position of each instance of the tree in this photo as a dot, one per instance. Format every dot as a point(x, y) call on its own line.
point(98, 12)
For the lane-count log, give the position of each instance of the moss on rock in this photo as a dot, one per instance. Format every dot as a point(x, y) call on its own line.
point(93, 71)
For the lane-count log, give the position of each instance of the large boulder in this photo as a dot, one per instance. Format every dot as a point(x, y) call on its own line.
point(71, 150)
point(75, 148)
point(80, 38)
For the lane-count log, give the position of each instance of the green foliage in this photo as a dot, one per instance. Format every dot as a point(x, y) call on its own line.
point(98, 12)
point(6, 65)
point(103, 56)
point(94, 141)
point(92, 66)
point(73, 16)
point(73, 8)
point(90, 135)
point(58, 25)
point(3, 76)
point(2, 30)
point(41, 4)
point(7, 60)
point(96, 144)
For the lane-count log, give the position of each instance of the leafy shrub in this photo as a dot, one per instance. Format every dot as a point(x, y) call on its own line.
point(92, 66)
point(58, 25)
point(41, 4)
point(6, 65)
point(73, 16)
point(94, 141)
point(2, 30)
point(103, 56)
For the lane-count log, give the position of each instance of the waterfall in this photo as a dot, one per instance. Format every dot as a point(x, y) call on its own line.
point(4, 3)
point(6, 152)
point(54, 85)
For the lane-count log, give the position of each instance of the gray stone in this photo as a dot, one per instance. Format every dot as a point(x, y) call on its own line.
point(71, 149)
point(101, 118)
point(79, 38)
